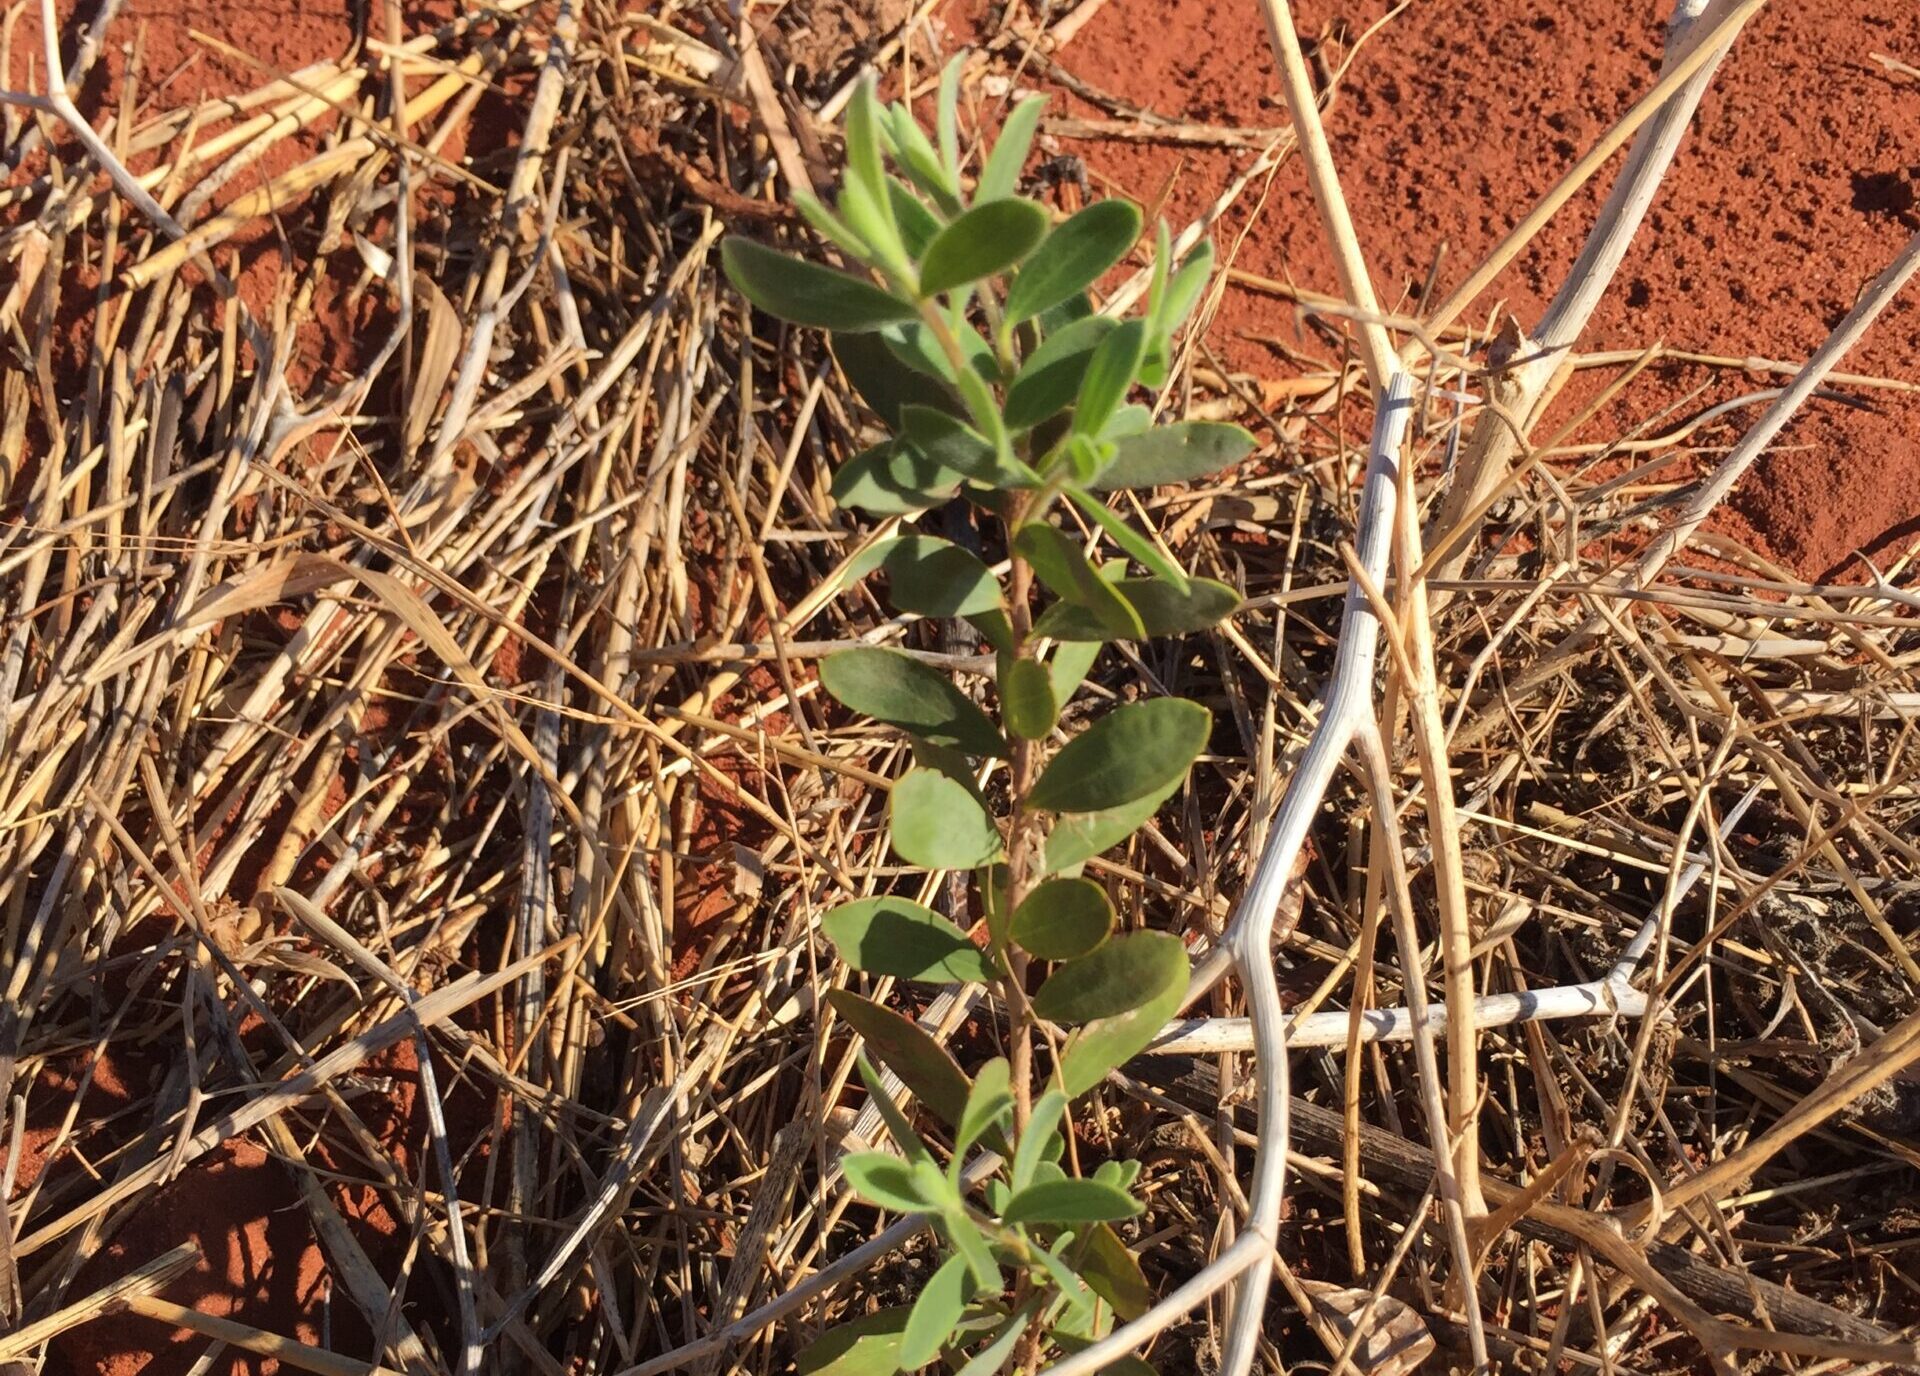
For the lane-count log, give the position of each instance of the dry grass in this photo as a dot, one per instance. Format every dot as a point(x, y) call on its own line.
point(464, 705)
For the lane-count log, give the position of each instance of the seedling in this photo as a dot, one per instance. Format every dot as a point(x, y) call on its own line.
point(964, 322)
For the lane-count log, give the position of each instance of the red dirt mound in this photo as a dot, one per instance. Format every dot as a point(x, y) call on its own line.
point(1792, 191)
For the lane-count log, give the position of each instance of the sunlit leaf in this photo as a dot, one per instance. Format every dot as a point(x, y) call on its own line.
point(904, 1047)
point(918, 225)
point(1042, 1126)
point(1132, 752)
point(1173, 454)
point(805, 293)
point(939, 824)
point(1116, 977)
point(993, 1358)
point(1001, 174)
point(936, 1313)
point(898, 1128)
point(1131, 540)
point(989, 1103)
point(1026, 698)
point(1073, 257)
point(894, 936)
point(989, 239)
point(1061, 919)
point(1050, 377)
point(881, 1178)
point(866, 1346)
point(899, 690)
point(1069, 1201)
point(1110, 373)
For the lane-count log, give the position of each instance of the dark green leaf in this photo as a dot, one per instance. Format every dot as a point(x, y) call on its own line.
point(1117, 977)
point(866, 1346)
point(898, 1128)
point(905, 1048)
point(1173, 454)
point(894, 688)
point(988, 239)
point(893, 936)
point(1133, 751)
point(1107, 1042)
point(806, 293)
point(1062, 919)
point(918, 225)
point(1050, 377)
point(916, 347)
point(1079, 836)
point(1073, 257)
point(884, 382)
point(935, 577)
point(984, 408)
point(1162, 609)
point(994, 628)
point(886, 1180)
point(893, 480)
point(1063, 568)
point(1109, 1266)
point(1001, 174)
point(939, 824)
point(936, 1313)
point(993, 1358)
point(1070, 1201)
point(1110, 373)
point(950, 443)
point(1026, 698)
point(1131, 540)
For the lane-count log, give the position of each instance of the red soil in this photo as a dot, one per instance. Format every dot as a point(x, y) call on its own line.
point(1785, 200)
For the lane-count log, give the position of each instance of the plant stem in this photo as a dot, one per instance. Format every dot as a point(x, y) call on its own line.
point(1020, 832)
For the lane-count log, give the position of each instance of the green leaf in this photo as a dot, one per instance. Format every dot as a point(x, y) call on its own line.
point(993, 1358)
point(866, 1346)
point(939, 824)
point(1131, 540)
point(1173, 454)
point(1026, 698)
point(830, 226)
point(898, 1128)
point(1117, 977)
point(1109, 1266)
point(1183, 292)
point(1099, 1046)
point(1110, 373)
point(984, 407)
point(1126, 422)
point(915, 346)
point(904, 1047)
point(1070, 1201)
point(1162, 609)
point(918, 225)
point(1079, 836)
point(1073, 257)
point(936, 1313)
point(1041, 1127)
point(805, 293)
point(971, 1243)
point(1050, 378)
point(1063, 568)
point(893, 480)
point(994, 628)
point(947, 114)
point(988, 239)
point(989, 1103)
point(1133, 751)
point(1074, 1292)
point(1068, 667)
point(865, 167)
point(950, 443)
point(1001, 174)
point(916, 154)
point(893, 936)
point(884, 1179)
point(1062, 919)
point(884, 382)
point(900, 691)
point(936, 577)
